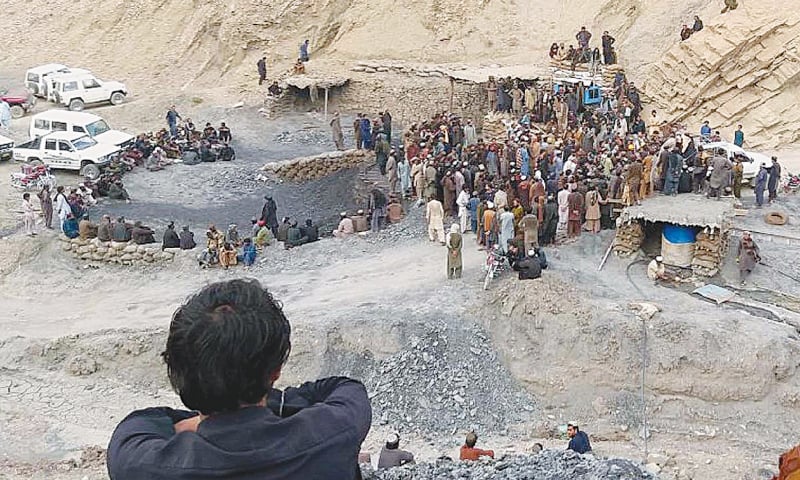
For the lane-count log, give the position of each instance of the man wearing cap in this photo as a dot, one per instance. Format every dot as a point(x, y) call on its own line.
point(579, 441)
point(470, 135)
point(463, 208)
point(530, 267)
point(391, 171)
point(747, 256)
point(345, 228)
point(392, 456)
point(264, 236)
point(655, 269)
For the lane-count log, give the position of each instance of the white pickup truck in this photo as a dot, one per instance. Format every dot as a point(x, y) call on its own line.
point(67, 151)
point(6, 148)
point(74, 91)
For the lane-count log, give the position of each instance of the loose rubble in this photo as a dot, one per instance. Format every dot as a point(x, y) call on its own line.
point(547, 465)
point(448, 378)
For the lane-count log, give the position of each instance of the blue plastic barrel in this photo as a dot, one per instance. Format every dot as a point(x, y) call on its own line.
point(679, 234)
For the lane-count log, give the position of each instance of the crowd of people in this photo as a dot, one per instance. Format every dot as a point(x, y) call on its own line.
point(604, 54)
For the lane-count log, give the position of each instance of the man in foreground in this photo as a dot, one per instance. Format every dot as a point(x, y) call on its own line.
point(226, 348)
point(578, 440)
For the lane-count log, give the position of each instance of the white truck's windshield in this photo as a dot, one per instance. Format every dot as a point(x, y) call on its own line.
point(83, 143)
point(98, 127)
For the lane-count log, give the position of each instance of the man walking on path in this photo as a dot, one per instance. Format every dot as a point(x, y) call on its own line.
point(774, 180)
point(262, 70)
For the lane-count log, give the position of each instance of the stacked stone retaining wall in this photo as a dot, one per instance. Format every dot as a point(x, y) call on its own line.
point(311, 168)
point(122, 253)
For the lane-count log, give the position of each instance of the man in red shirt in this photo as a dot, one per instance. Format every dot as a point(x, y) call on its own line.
point(469, 452)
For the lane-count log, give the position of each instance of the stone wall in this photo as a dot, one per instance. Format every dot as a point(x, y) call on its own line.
point(123, 253)
point(410, 97)
point(310, 168)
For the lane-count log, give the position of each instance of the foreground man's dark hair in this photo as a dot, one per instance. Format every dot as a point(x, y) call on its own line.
point(225, 346)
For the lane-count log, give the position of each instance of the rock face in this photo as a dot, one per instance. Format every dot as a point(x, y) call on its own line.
point(743, 71)
point(309, 168)
point(547, 465)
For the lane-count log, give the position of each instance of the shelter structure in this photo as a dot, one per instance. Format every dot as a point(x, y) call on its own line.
point(306, 90)
point(688, 231)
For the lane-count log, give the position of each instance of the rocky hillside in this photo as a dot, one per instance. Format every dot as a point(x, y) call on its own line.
point(743, 68)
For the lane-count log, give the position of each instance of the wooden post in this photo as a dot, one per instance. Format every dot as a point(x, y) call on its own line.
point(326, 104)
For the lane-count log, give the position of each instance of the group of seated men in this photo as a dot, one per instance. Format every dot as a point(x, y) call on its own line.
point(358, 223)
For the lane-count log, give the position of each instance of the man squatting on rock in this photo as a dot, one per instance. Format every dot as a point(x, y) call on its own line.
point(226, 348)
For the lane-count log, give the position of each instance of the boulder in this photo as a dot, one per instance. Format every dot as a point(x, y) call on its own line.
point(118, 245)
point(130, 248)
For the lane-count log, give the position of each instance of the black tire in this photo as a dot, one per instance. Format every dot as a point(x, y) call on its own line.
point(117, 98)
point(17, 111)
point(76, 105)
point(90, 170)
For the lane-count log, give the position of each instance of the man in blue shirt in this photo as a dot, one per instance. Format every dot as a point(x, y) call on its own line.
point(225, 349)
point(738, 137)
point(578, 440)
point(172, 120)
point(705, 131)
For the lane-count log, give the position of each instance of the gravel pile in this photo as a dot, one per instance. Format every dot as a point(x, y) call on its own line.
point(547, 465)
point(304, 137)
point(447, 379)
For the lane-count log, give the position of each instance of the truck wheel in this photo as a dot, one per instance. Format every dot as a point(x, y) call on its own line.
point(76, 105)
point(17, 111)
point(91, 171)
point(117, 98)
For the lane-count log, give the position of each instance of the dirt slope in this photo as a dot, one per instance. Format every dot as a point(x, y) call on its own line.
point(152, 42)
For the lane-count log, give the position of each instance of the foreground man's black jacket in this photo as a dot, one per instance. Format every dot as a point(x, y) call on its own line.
point(317, 437)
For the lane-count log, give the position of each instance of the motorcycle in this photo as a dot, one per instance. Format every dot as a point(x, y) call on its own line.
point(33, 177)
point(495, 263)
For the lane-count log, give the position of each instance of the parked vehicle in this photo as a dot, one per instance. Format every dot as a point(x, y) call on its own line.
point(33, 176)
point(76, 91)
point(495, 262)
point(50, 81)
point(67, 151)
point(82, 122)
point(751, 166)
point(35, 77)
point(21, 102)
point(6, 148)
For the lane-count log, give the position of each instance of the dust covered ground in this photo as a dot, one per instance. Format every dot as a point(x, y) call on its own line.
point(80, 349)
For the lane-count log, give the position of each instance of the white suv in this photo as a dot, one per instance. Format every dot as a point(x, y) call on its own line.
point(75, 91)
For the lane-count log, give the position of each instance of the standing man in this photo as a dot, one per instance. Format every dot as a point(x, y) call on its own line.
point(747, 256)
point(530, 229)
point(46, 202)
point(583, 38)
point(463, 212)
point(304, 51)
point(172, 120)
point(63, 209)
point(434, 214)
point(761, 184)
point(470, 135)
point(386, 118)
point(269, 214)
point(28, 215)
point(634, 180)
point(738, 175)
point(391, 172)
point(506, 223)
point(575, 205)
point(608, 49)
point(357, 131)
point(262, 70)
point(705, 131)
point(454, 262)
point(738, 137)
point(774, 179)
point(719, 176)
point(5, 115)
point(336, 129)
point(674, 164)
